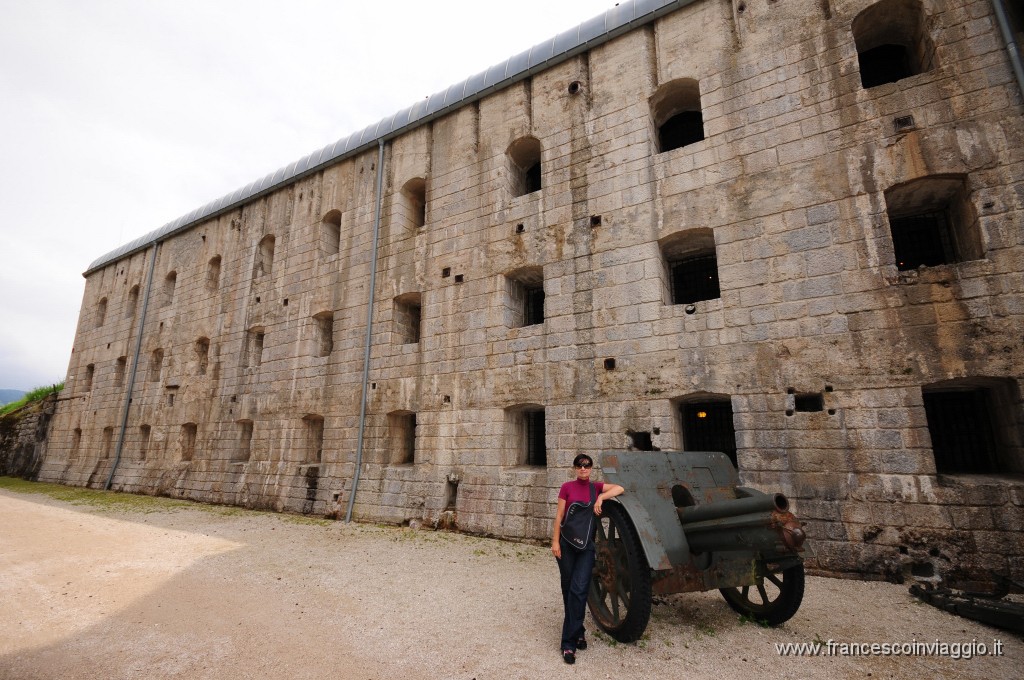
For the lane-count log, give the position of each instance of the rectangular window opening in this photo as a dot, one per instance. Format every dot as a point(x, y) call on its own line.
point(809, 402)
point(244, 450)
point(536, 446)
point(145, 433)
point(188, 441)
point(962, 425)
point(922, 240)
point(533, 305)
point(402, 426)
point(707, 426)
point(314, 439)
point(695, 279)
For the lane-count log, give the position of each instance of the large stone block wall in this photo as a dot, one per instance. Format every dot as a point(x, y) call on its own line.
point(24, 434)
point(789, 180)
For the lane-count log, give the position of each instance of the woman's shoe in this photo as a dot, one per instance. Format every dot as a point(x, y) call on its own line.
point(568, 656)
point(581, 643)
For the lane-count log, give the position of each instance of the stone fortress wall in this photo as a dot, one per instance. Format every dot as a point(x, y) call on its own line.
point(757, 287)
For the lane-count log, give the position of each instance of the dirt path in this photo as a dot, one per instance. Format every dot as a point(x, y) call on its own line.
point(191, 593)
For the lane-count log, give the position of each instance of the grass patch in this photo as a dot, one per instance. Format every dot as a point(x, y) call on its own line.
point(744, 618)
point(304, 519)
point(94, 498)
point(34, 395)
point(704, 629)
point(116, 501)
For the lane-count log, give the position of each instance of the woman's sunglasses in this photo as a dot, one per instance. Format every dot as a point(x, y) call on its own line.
point(585, 466)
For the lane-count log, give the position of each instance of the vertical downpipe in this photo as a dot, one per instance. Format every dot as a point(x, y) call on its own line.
point(135, 367)
point(369, 328)
point(1012, 48)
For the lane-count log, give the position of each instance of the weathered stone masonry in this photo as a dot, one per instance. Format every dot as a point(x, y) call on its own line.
point(826, 276)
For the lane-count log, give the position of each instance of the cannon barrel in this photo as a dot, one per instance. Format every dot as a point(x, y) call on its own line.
point(759, 522)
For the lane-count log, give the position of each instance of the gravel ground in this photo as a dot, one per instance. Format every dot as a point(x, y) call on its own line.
point(203, 592)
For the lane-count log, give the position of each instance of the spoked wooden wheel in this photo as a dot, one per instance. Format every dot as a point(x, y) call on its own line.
point(774, 599)
point(620, 590)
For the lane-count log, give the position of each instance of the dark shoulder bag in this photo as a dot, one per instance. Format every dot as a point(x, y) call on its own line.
point(578, 523)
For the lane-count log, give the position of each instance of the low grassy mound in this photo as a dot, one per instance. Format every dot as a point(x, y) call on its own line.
point(37, 394)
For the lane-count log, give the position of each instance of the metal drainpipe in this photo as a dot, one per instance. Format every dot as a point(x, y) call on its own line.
point(1011, 43)
point(369, 327)
point(135, 367)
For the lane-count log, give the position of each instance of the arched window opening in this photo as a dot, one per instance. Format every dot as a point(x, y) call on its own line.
point(202, 355)
point(156, 362)
point(314, 426)
point(170, 282)
point(187, 441)
point(932, 222)
point(243, 452)
point(330, 233)
point(264, 265)
point(90, 373)
point(253, 350)
point(133, 302)
point(677, 116)
point(323, 324)
point(414, 200)
point(524, 157)
point(145, 434)
point(101, 312)
point(213, 273)
point(691, 266)
point(108, 442)
point(119, 370)
point(892, 42)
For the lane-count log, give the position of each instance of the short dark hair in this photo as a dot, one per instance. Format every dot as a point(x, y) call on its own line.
point(578, 460)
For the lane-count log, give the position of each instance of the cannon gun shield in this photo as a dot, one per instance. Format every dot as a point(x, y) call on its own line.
point(684, 525)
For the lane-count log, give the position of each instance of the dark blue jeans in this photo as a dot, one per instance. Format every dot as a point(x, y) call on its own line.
point(575, 568)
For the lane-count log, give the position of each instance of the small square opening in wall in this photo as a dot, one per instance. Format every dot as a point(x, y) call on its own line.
point(609, 364)
point(520, 228)
point(446, 272)
point(459, 278)
point(901, 123)
point(809, 402)
point(641, 441)
point(595, 220)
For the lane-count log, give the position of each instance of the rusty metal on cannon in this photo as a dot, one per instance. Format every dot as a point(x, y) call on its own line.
point(685, 525)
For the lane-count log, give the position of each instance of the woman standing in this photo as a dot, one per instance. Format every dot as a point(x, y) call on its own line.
point(574, 551)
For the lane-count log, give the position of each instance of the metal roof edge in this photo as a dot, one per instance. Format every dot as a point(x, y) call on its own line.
point(641, 12)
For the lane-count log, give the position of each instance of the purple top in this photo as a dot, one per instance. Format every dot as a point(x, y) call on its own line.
point(577, 491)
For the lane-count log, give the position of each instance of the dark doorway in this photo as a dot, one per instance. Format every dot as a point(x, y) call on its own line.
point(707, 426)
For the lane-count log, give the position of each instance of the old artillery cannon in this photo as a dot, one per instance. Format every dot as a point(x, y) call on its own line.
point(684, 525)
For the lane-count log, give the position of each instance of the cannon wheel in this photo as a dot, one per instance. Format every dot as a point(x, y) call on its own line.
point(774, 599)
point(620, 590)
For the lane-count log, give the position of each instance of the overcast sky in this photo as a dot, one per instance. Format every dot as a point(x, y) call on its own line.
point(118, 116)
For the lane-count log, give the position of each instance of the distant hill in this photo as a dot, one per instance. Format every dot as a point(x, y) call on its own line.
point(7, 396)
